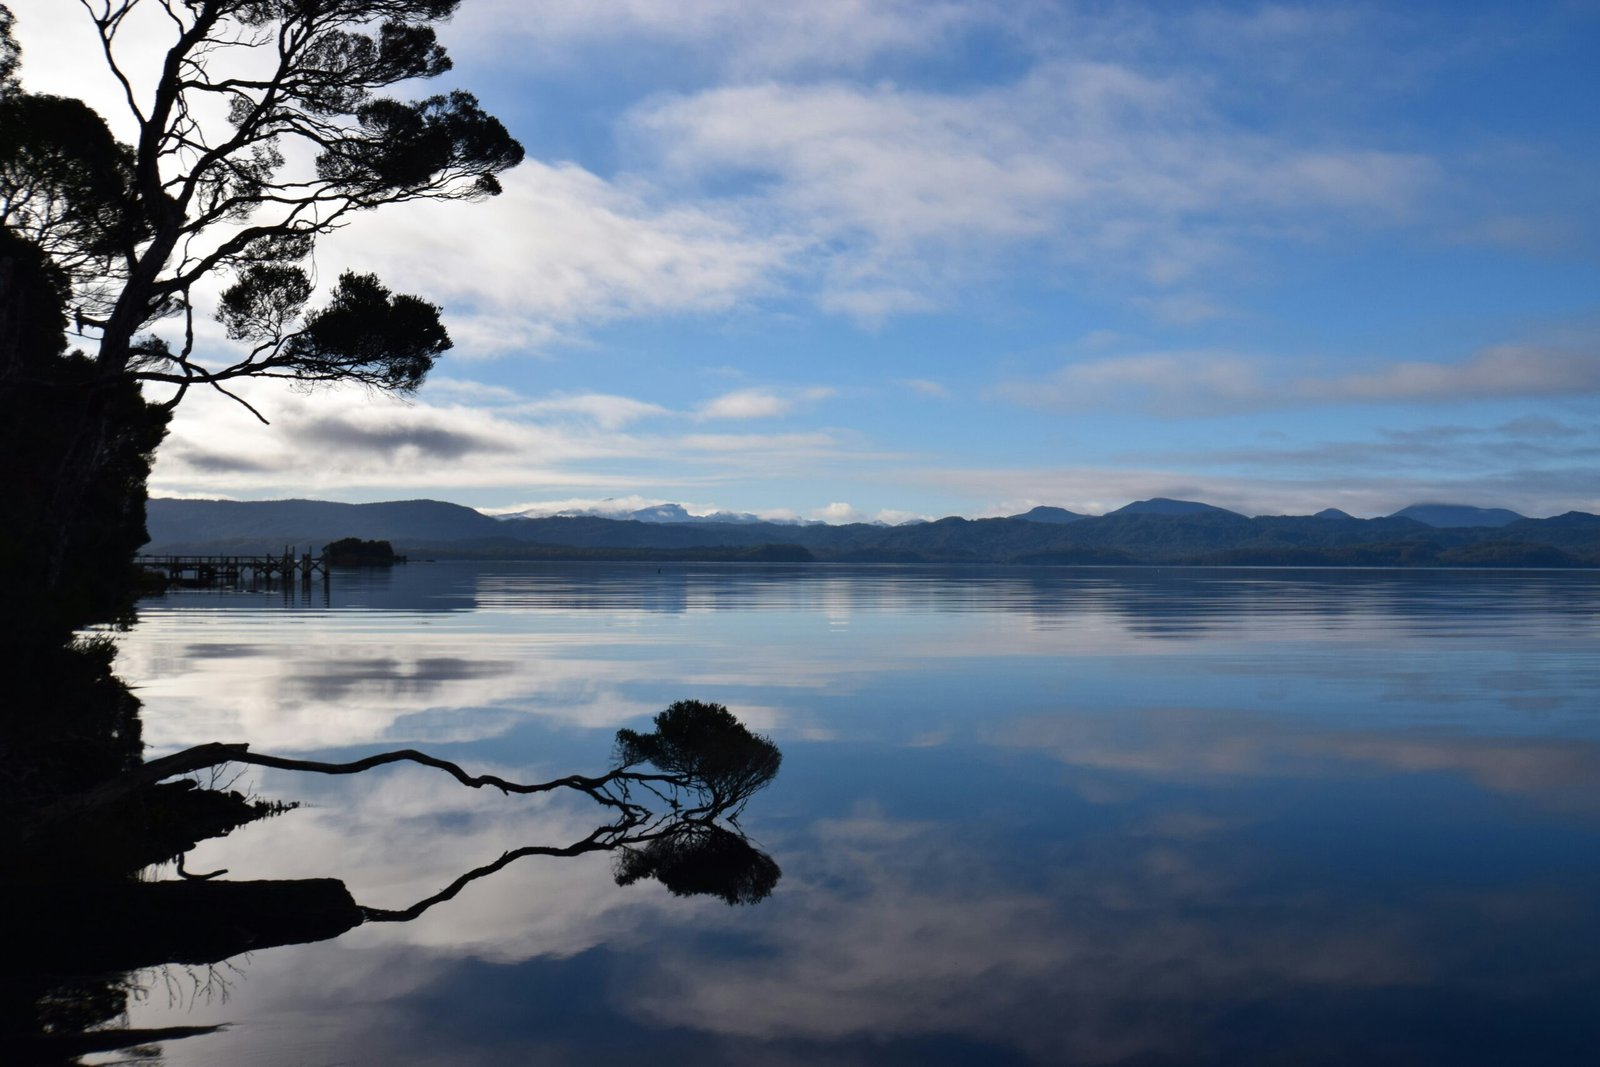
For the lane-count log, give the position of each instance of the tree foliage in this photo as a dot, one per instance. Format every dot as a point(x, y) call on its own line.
point(78, 450)
point(354, 552)
point(269, 126)
point(701, 859)
point(707, 743)
point(9, 54)
point(67, 186)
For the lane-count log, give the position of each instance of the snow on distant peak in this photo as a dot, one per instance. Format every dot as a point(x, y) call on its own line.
point(638, 509)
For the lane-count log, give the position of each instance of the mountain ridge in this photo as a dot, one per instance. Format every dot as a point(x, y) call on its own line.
point(1456, 515)
point(1194, 533)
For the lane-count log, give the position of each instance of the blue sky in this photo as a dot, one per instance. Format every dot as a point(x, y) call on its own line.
point(842, 258)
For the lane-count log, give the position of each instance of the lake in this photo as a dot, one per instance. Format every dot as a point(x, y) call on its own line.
point(1097, 816)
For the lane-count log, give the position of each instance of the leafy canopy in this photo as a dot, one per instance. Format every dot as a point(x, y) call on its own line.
point(705, 743)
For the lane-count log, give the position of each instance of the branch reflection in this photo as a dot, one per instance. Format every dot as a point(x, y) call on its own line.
point(673, 797)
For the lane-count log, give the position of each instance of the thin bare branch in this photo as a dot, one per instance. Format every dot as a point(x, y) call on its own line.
point(240, 400)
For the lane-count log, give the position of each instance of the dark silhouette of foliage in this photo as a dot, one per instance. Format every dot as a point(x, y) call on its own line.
point(354, 552)
point(67, 186)
point(369, 335)
point(708, 744)
point(699, 859)
point(1508, 553)
point(9, 54)
point(78, 448)
point(135, 228)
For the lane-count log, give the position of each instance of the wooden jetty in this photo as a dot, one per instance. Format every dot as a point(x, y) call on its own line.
point(233, 570)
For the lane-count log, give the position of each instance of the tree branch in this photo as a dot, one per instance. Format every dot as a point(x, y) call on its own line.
point(240, 400)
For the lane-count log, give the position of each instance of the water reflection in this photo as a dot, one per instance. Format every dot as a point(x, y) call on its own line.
point(1025, 817)
point(1175, 938)
point(592, 647)
point(77, 928)
point(1153, 600)
point(1175, 744)
point(1124, 918)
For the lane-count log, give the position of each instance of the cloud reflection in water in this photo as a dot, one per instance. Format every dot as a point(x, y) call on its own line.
point(1056, 818)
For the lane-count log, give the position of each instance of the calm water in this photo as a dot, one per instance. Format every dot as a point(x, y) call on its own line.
point(1025, 816)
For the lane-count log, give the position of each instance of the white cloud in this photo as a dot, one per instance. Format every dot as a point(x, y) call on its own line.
point(559, 248)
point(606, 411)
point(1195, 382)
point(1209, 382)
point(321, 443)
point(757, 448)
point(925, 387)
point(623, 505)
point(745, 404)
point(464, 389)
point(1500, 371)
point(574, 505)
point(910, 190)
point(883, 199)
point(757, 403)
point(896, 516)
point(838, 512)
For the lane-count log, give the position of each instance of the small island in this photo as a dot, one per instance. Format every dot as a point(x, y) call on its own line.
point(354, 552)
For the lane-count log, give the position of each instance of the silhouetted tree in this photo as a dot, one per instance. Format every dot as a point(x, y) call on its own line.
point(8, 54)
point(354, 552)
point(706, 743)
point(265, 128)
point(78, 451)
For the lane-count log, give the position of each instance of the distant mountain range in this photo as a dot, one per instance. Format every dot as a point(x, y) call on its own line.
point(1441, 515)
point(1157, 531)
point(1458, 515)
point(679, 513)
point(661, 513)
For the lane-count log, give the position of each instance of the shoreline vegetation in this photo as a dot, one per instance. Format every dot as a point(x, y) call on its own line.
point(354, 552)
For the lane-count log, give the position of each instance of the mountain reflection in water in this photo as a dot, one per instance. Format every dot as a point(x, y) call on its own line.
point(1026, 816)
